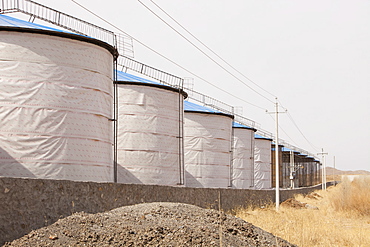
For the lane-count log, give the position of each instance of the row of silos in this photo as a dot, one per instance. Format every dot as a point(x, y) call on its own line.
point(297, 169)
point(217, 152)
point(57, 101)
point(57, 105)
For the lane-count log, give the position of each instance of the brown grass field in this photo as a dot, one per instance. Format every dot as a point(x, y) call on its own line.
point(342, 216)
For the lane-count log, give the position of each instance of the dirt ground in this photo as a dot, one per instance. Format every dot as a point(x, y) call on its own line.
point(151, 224)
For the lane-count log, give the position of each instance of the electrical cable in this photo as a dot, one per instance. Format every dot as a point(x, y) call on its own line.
point(291, 118)
point(222, 67)
point(300, 131)
point(199, 77)
point(168, 59)
point(219, 64)
point(281, 128)
point(173, 19)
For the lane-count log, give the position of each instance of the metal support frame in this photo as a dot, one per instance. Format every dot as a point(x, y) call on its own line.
point(164, 77)
point(122, 42)
point(55, 17)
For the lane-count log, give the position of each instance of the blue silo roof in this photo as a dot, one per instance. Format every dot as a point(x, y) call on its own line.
point(256, 136)
point(189, 106)
point(123, 76)
point(302, 154)
point(14, 24)
point(8, 21)
point(288, 150)
point(238, 125)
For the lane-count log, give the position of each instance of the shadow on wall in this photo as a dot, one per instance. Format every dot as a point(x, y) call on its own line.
point(126, 177)
point(9, 167)
point(191, 181)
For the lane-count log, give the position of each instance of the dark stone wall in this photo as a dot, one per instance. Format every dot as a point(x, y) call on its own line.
point(28, 204)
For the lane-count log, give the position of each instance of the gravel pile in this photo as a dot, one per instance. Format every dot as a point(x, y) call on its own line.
point(151, 224)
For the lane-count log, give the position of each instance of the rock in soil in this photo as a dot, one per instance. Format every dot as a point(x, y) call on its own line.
point(151, 224)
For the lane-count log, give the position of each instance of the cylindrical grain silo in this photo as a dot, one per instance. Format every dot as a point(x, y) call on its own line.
point(262, 162)
point(287, 155)
point(207, 144)
point(317, 172)
point(150, 122)
point(310, 171)
point(243, 157)
point(273, 166)
point(55, 103)
point(301, 172)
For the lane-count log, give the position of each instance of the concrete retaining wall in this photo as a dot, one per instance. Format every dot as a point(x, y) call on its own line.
point(27, 204)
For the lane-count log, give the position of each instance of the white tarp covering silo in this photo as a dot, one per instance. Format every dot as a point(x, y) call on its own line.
point(262, 163)
point(243, 157)
point(207, 145)
point(55, 104)
point(150, 122)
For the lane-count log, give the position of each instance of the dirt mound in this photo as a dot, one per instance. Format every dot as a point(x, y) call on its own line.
point(151, 224)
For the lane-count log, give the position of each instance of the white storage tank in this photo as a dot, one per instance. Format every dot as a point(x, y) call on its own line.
point(243, 157)
point(262, 163)
point(150, 122)
point(55, 103)
point(207, 144)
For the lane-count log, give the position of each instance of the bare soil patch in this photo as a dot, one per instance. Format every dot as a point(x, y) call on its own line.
point(151, 224)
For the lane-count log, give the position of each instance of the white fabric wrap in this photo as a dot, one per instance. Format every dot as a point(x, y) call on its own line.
point(207, 144)
point(243, 152)
point(148, 143)
point(55, 105)
point(262, 164)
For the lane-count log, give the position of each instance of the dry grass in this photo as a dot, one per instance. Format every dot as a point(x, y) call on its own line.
point(353, 197)
point(343, 218)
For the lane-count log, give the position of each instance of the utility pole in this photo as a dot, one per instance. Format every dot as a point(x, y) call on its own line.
point(277, 182)
point(291, 169)
point(323, 186)
point(334, 171)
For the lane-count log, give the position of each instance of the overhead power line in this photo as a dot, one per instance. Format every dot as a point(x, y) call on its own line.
point(300, 131)
point(168, 59)
point(195, 75)
point(281, 128)
point(213, 52)
point(222, 67)
point(291, 118)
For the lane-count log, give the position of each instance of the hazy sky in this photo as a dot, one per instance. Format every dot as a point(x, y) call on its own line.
point(313, 55)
